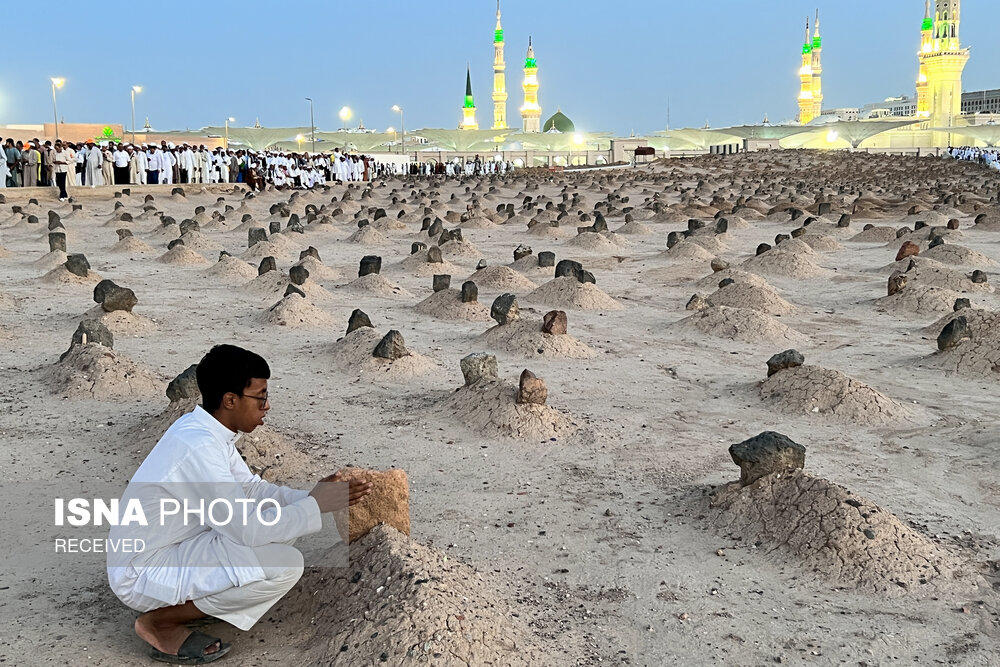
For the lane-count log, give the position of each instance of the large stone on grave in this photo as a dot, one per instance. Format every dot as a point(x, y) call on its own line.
point(504, 309)
point(766, 453)
point(531, 389)
point(441, 281)
point(845, 220)
point(954, 333)
point(184, 387)
point(908, 249)
point(719, 264)
point(391, 347)
point(117, 298)
point(174, 243)
point(267, 264)
point(388, 503)
point(522, 251)
point(294, 289)
point(298, 274)
point(123, 233)
point(896, 283)
point(554, 322)
point(256, 235)
point(311, 251)
point(57, 241)
point(479, 366)
point(77, 264)
point(546, 258)
point(470, 292)
point(369, 264)
point(569, 267)
point(359, 319)
point(274, 226)
point(783, 360)
point(188, 225)
point(95, 332)
point(417, 246)
point(434, 255)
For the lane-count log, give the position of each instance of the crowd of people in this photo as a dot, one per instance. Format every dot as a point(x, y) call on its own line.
point(989, 157)
point(64, 164)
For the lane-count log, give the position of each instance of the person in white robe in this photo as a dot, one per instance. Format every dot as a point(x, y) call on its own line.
point(234, 568)
point(107, 171)
point(95, 159)
point(204, 166)
point(187, 165)
point(143, 164)
point(223, 160)
point(169, 161)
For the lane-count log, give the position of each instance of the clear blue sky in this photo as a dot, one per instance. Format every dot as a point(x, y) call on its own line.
point(609, 65)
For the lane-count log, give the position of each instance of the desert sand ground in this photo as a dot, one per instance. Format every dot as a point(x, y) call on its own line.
point(602, 528)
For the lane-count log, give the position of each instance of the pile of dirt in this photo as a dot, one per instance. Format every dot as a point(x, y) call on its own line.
point(712, 280)
point(417, 265)
point(62, 276)
point(552, 232)
point(982, 323)
point(460, 249)
point(367, 235)
point(763, 298)
point(317, 269)
point(876, 234)
point(296, 312)
point(447, 305)
point(399, 603)
point(949, 253)
point(490, 409)
point(501, 278)
point(131, 244)
point(821, 242)
point(98, 372)
point(274, 457)
point(837, 535)
point(182, 255)
point(592, 242)
point(526, 339)
point(568, 292)
point(815, 390)
point(50, 260)
point(688, 250)
point(353, 354)
point(375, 284)
point(200, 243)
point(635, 228)
point(740, 324)
point(930, 273)
point(919, 299)
point(262, 249)
point(977, 356)
point(121, 322)
point(785, 263)
point(231, 269)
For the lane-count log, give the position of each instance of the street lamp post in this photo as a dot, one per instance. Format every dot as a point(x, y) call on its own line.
point(312, 124)
point(135, 89)
point(402, 128)
point(228, 121)
point(57, 82)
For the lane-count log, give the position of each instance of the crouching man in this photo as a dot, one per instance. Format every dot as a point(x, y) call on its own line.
point(232, 563)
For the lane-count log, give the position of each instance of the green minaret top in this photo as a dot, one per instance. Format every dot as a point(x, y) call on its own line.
point(807, 45)
point(469, 103)
point(817, 42)
point(498, 33)
point(529, 61)
point(928, 23)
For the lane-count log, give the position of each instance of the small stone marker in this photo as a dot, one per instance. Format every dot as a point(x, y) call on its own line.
point(531, 389)
point(765, 454)
point(479, 366)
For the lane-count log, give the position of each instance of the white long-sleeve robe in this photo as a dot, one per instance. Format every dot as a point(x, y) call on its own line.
point(93, 166)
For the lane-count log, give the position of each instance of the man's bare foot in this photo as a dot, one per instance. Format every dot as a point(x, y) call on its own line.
point(164, 629)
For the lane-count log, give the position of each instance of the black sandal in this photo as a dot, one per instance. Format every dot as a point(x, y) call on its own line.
point(192, 651)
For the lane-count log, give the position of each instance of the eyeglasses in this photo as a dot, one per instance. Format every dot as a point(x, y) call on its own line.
point(263, 399)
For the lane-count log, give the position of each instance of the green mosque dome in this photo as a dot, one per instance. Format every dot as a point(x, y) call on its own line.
point(558, 122)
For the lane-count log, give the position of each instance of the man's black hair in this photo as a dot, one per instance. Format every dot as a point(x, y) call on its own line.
point(227, 368)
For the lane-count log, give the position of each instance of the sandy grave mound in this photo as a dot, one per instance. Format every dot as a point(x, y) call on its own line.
point(262, 249)
point(712, 280)
point(949, 253)
point(977, 356)
point(98, 372)
point(876, 234)
point(417, 265)
point(783, 263)
point(714, 243)
point(837, 535)
point(274, 283)
point(930, 273)
point(447, 305)
point(501, 278)
point(367, 235)
point(763, 298)
point(982, 323)
point(528, 266)
point(317, 269)
point(688, 250)
point(821, 242)
point(399, 603)
point(388, 224)
point(635, 228)
point(62, 276)
point(50, 260)
point(478, 222)
point(200, 243)
point(741, 324)
point(591, 241)
point(181, 255)
point(568, 292)
point(553, 232)
point(525, 338)
point(460, 249)
point(353, 354)
point(491, 409)
point(812, 389)
point(121, 322)
point(919, 299)
point(131, 244)
point(231, 269)
point(375, 284)
point(296, 312)
point(274, 457)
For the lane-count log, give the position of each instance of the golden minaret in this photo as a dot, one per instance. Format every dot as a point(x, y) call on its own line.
point(531, 113)
point(942, 66)
point(805, 79)
point(469, 107)
point(499, 78)
point(926, 47)
point(817, 71)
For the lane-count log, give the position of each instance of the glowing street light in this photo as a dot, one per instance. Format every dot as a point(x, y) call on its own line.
point(135, 89)
point(393, 130)
point(402, 128)
point(228, 121)
point(345, 115)
point(57, 82)
point(831, 136)
point(299, 138)
point(312, 124)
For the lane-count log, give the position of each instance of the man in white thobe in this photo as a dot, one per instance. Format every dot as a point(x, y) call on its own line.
point(93, 164)
point(188, 166)
point(142, 158)
point(232, 569)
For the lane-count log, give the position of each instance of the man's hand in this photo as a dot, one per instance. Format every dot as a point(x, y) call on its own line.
point(329, 498)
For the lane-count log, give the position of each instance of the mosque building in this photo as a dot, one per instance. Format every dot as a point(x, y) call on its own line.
point(531, 113)
point(499, 78)
point(811, 76)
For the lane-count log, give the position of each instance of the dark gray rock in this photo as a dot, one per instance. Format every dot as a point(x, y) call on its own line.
point(437, 227)
point(256, 235)
point(184, 387)
point(587, 277)
point(504, 309)
point(479, 367)
point(441, 281)
point(293, 289)
point(174, 242)
point(673, 238)
point(358, 320)
point(722, 226)
point(188, 225)
point(783, 360)
point(274, 226)
point(391, 346)
point(781, 237)
point(522, 251)
point(434, 255)
point(123, 233)
point(845, 220)
point(298, 274)
point(95, 332)
point(57, 241)
point(77, 264)
point(369, 264)
point(310, 252)
point(546, 258)
point(725, 282)
point(765, 454)
point(569, 267)
point(961, 304)
point(825, 208)
point(417, 246)
point(954, 333)
point(762, 248)
point(470, 292)
point(102, 289)
point(267, 264)
point(979, 276)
